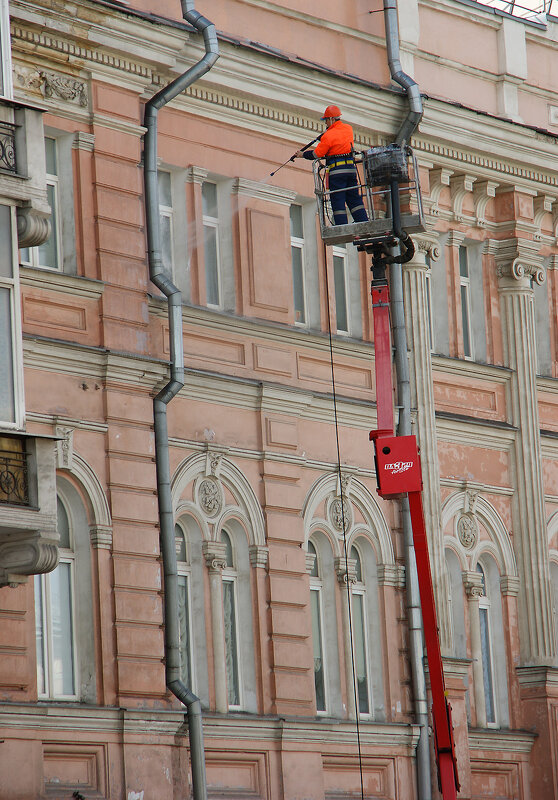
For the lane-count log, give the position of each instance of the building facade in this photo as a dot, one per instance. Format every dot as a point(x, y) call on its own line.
point(293, 614)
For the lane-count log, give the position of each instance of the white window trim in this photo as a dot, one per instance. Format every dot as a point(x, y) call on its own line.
point(341, 252)
point(6, 52)
point(229, 576)
point(65, 557)
point(360, 589)
point(484, 605)
point(213, 222)
point(317, 587)
point(465, 283)
point(184, 570)
point(298, 243)
point(34, 252)
point(12, 285)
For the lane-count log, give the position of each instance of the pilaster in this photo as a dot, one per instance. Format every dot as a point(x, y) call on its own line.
point(518, 264)
point(418, 338)
point(215, 558)
point(346, 575)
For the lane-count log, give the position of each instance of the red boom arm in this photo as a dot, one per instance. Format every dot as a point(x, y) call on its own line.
point(398, 472)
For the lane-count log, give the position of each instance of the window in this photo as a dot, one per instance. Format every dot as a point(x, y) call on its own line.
point(54, 617)
point(297, 257)
point(11, 361)
point(341, 289)
point(5, 52)
point(317, 634)
point(360, 636)
point(230, 614)
point(486, 651)
point(428, 292)
point(165, 218)
point(211, 244)
point(465, 291)
point(184, 609)
point(49, 254)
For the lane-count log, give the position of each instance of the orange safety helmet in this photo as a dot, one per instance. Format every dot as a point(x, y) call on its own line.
point(331, 112)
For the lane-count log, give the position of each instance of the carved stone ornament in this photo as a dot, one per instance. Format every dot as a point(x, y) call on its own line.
point(215, 555)
point(25, 556)
point(520, 269)
point(33, 227)
point(64, 446)
point(50, 84)
point(467, 530)
point(210, 496)
point(339, 513)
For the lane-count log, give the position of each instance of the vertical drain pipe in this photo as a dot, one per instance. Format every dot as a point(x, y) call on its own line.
point(416, 641)
point(160, 402)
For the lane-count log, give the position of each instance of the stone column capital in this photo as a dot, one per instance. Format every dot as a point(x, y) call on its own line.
point(215, 554)
point(259, 555)
point(345, 569)
point(427, 245)
point(518, 261)
point(472, 581)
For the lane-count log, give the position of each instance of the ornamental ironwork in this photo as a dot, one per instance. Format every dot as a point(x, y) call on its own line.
point(14, 485)
point(7, 147)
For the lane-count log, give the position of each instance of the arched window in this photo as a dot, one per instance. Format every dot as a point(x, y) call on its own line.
point(184, 607)
point(360, 636)
point(493, 647)
point(325, 641)
point(230, 614)
point(317, 633)
point(486, 650)
point(55, 619)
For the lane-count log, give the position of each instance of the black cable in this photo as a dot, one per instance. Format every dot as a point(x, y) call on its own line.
point(355, 693)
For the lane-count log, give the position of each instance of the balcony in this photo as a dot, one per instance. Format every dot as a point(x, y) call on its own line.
point(28, 534)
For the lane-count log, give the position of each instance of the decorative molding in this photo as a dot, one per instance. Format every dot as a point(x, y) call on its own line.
point(100, 537)
point(473, 583)
point(64, 446)
point(196, 175)
point(467, 530)
point(263, 191)
point(391, 575)
point(25, 555)
point(84, 141)
point(259, 556)
point(509, 585)
point(439, 177)
point(339, 513)
point(33, 226)
point(215, 554)
point(52, 85)
point(310, 561)
point(460, 186)
point(455, 238)
point(518, 259)
point(345, 569)
point(483, 191)
point(210, 496)
point(542, 204)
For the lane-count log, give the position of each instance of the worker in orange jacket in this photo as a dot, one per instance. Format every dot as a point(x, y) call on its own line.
point(336, 145)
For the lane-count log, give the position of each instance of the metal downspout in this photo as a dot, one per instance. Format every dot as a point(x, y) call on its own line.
point(414, 616)
point(160, 402)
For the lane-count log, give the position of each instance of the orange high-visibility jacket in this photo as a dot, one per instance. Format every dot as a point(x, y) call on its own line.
point(337, 140)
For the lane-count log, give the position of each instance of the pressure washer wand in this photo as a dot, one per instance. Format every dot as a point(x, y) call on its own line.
point(292, 158)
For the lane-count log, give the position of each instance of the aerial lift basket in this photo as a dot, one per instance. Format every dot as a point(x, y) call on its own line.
point(377, 171)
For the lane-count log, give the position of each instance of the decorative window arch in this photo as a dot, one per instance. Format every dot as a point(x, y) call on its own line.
point(66, 658)
point(209, 489)
point(478, 545)
point(369, 561)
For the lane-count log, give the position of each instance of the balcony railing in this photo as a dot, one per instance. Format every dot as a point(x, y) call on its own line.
point(7, 147)
point(14, 484)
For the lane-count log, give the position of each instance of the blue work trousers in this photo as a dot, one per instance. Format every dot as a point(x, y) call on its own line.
point(343, 185)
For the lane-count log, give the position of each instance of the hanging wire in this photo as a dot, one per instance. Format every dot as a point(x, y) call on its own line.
point(344, 526)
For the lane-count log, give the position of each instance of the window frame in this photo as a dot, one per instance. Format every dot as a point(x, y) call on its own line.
point(184, 570)
point(484, 606)
point(341, 253)
point(316, 587)
point(229, 575)
point(11, 284)
point(6, 87)
point(358, 588)
point(43, 586)
point(167, 212)
point(465, 293)
point(213, 223)
point(298, 243)
point(53, 181)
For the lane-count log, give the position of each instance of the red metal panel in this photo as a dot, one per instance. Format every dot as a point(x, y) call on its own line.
point(397, 465)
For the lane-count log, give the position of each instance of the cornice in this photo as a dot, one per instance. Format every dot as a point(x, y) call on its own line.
point(501, 740)
point(487, 489)
point(470, 369)
point(474, 433)
point(61, 282)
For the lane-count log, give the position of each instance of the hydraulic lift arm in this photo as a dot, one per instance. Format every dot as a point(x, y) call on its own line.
point(398, 472)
